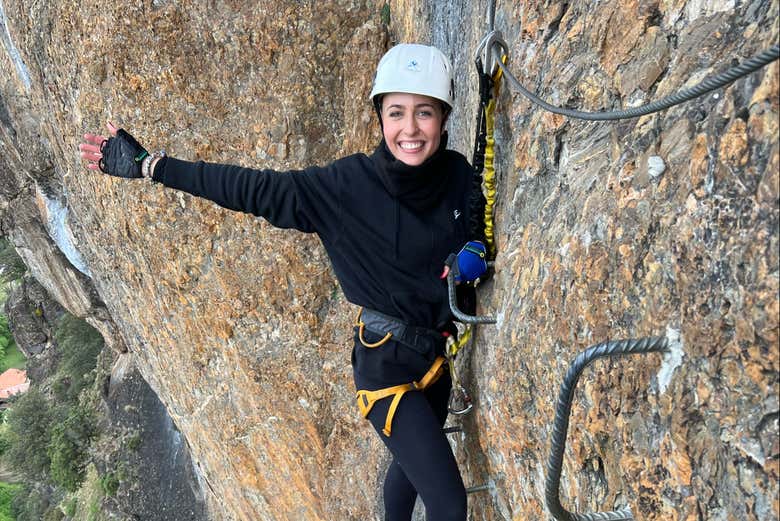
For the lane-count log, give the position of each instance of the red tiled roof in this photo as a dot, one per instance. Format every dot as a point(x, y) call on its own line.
point(13, 381)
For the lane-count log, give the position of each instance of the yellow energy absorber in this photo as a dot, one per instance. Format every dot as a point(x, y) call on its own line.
point(489, 174)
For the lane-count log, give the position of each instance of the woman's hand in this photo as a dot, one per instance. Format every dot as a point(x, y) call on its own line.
point(120, 155)
point(90, 149)
point(469, 264)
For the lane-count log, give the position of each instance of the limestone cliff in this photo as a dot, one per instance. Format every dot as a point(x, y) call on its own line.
point(242, 331)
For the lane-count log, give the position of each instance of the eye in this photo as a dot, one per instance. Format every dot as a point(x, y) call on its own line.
point(425, 113)
point(395, 114)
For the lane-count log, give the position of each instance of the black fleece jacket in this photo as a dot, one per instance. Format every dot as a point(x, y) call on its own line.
point(386, 255)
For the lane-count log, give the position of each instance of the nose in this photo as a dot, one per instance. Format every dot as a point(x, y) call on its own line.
point(410, 124)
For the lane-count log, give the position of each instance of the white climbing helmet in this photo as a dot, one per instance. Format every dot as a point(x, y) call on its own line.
point(415, 69)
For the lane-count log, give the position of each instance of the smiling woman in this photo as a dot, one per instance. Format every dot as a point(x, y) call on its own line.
point(388, 222)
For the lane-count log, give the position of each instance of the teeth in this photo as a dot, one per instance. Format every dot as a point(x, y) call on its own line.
point(411, 146)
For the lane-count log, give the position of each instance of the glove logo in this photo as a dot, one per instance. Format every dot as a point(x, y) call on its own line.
point(456, 213)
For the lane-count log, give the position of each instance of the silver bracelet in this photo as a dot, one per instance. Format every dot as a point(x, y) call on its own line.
point(146, 165)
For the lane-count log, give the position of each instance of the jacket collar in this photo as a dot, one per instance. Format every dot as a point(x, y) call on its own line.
point(419, 187)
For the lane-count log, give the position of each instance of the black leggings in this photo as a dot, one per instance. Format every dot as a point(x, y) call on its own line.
point(423, 462)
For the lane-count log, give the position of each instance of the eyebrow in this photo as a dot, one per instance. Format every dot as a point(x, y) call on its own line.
point(419, 105)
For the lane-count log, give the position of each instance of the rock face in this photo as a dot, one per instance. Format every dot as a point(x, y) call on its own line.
point(605, 230)
point(31, 312)
point(158, 482)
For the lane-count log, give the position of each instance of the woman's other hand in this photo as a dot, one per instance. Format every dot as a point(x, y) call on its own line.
point(469, 264)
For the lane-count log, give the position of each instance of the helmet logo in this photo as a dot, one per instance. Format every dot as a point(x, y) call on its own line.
point(413, 66)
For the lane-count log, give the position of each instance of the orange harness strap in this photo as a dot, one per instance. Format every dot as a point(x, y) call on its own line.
point(367, 399)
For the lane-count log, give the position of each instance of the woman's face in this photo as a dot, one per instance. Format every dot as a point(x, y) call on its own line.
point(412, 126)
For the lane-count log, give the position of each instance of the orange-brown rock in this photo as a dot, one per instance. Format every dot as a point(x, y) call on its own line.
point(605, 230)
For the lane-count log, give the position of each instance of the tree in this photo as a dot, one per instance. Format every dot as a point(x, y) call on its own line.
point(29, 431)
point(68, 448)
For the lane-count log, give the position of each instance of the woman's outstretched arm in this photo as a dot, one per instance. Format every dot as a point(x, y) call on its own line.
point(306, 200)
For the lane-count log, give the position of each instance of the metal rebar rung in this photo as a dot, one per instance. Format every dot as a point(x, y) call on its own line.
point(479, 488)
point(453, 429)
point(457, 313)
point(561, 425)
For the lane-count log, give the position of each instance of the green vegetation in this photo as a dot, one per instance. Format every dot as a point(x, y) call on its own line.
point(46, 434)
point(29, 425)
point(29, 504)
point(13, 358)
point(70, 506)
point(85, 504)
point(11, 269)
point(10, 356)
point(134, 441)
point(48, 431)
point(7, 494)
point(109, 483)
point(6, 339)
point(79, 345)
point(67, 448)
point(5, 443)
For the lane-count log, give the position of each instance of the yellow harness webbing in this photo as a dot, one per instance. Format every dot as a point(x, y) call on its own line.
point(367, 399)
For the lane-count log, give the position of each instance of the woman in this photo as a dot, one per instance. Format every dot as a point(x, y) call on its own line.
point(387, 221)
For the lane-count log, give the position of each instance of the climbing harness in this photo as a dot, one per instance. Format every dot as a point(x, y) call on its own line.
point(362, 327)
point(420, 339)
point(563, 410)
point(367, 399)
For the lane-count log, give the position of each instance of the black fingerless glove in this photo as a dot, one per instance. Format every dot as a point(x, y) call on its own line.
point(122, 156)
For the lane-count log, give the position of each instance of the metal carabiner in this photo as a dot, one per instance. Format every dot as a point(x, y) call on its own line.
point(484, 53)
point(460, 395)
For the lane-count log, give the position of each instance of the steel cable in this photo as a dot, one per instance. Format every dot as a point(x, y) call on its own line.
point(709, 84)
point(491, 15)
point(561, 425)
